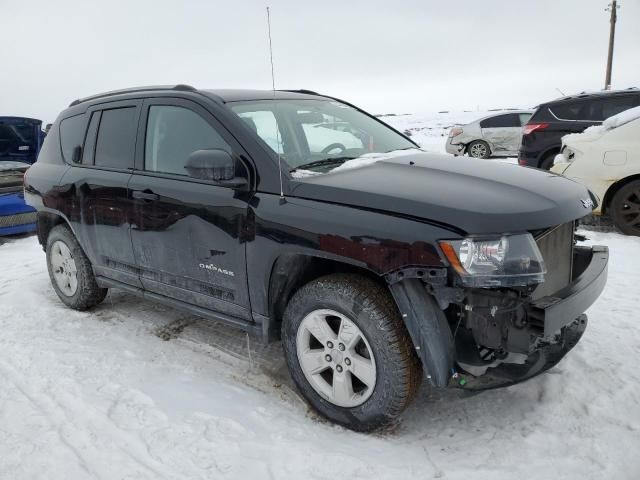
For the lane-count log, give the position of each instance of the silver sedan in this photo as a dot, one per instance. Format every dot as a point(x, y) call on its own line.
point(497, 135)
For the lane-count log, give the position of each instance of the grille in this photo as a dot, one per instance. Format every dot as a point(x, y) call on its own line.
point(556, 247)
point(18, 219)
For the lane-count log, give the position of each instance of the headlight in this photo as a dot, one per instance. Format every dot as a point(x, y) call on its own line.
point(509, 260)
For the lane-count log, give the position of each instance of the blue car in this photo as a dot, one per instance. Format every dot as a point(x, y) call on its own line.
point(20, 142)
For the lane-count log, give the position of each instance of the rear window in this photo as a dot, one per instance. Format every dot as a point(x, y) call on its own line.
point(501, 121)
point(116, 138)
point(71, 135)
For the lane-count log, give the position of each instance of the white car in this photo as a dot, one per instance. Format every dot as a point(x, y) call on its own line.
point(606, 159)
point(498, 135)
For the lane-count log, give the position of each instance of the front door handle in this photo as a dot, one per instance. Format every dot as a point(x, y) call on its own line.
point(146, 195)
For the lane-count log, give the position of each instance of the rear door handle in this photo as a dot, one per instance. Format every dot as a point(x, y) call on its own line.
point(146, 195)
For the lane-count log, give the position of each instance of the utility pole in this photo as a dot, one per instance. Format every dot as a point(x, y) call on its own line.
point(613, 7)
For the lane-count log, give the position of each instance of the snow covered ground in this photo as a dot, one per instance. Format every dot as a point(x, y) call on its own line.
point(134, 390)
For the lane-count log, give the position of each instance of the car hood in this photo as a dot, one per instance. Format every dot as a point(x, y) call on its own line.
point(464, 194)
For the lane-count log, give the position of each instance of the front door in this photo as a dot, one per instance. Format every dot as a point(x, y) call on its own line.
point(187, 233)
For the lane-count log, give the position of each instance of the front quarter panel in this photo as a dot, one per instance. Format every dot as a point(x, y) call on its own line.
point(376, 241)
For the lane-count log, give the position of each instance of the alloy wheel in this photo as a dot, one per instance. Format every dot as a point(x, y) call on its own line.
point(336, 358)
point(64, 268)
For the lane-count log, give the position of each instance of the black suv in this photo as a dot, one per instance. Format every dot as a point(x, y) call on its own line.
point(372, 260)
point(542, 135)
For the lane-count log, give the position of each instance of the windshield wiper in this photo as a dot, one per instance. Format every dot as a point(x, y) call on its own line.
point(321, 163)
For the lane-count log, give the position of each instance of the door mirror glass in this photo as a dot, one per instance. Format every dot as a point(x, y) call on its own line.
point(211, 164)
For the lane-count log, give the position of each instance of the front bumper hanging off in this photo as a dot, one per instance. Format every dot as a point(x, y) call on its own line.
point(562, 318)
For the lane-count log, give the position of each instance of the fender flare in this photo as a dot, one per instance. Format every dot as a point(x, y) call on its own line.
point(428, 329)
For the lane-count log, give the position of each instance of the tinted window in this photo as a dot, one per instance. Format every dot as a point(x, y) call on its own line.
point(501, 121)
point(174, 133)
point(570, 110)
point(116, 138)
point(87, 153)
point(71, 135)
point(604, 108)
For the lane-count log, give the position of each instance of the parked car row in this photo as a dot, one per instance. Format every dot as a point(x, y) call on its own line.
point(594, 138)
point(535, 136)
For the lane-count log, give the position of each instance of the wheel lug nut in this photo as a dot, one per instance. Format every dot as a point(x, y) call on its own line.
point(341, 347)
point(339, 368)
point(327, 358)
point(329, 344)
point(347, 361)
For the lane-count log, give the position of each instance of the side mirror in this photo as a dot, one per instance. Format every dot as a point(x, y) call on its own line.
point(214, 164)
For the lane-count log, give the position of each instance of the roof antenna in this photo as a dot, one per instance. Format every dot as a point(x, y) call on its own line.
point(273, 89)
point(561, 92)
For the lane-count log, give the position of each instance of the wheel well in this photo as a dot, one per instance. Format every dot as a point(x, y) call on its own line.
point(552, 152)
point(46, 221)
point(613, 189)
point(291, 271)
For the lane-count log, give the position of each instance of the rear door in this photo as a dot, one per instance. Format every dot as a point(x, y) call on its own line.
point(503, 132)
point(187, 234)
point(99, 181)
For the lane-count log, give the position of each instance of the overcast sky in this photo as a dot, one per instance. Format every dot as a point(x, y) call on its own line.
point(387, 56)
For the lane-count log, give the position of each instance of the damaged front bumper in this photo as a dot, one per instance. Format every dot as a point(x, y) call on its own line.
point(560, 318)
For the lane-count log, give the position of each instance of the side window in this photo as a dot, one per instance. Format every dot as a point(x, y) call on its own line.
point(501, 121)
point(71, 135)
point(612, 106)
point(89, 139)
point(116, 139)
point(174, 133)
point(570, 111)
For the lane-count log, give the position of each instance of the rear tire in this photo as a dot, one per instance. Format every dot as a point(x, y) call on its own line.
point(625, 208)
point(479, 149)
point(71, 272)
point(547, 161)
point(320, 332)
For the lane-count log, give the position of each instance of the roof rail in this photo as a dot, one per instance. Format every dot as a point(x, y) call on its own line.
point(180, 87)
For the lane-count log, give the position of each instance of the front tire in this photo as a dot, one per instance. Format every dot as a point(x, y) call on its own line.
point(71, 272)
point(349, 352)
point(625, 208)
point(479, 149)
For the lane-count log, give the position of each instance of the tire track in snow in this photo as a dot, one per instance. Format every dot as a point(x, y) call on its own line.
point(56, 411)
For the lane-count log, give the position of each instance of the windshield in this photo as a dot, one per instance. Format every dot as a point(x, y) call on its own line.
point(317, 134)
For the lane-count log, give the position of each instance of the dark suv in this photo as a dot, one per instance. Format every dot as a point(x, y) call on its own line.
point(372, 260)
point(542, 135)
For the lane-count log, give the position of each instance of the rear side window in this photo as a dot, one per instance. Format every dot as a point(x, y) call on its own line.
point(116, 138)
point(570, 111)
point(174, 133)
point(71, 135)
point(608, 107)
point(501, 121)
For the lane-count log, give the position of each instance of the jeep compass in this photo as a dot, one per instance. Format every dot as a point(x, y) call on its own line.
point(376, 264)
